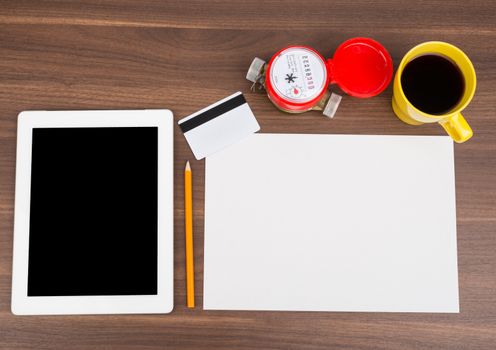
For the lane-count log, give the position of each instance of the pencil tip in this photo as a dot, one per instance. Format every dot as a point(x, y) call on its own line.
point(188, 167)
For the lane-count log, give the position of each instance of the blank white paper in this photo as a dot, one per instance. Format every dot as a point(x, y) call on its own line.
point(331, 223)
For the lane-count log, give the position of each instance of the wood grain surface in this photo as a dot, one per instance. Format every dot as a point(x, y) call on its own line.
point(184, 55)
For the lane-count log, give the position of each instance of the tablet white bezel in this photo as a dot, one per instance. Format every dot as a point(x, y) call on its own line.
point(160, 303)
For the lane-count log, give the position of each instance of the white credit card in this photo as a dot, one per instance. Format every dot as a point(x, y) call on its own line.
point(219, 125)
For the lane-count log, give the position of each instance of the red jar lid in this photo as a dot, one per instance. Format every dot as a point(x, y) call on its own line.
point(361, 67)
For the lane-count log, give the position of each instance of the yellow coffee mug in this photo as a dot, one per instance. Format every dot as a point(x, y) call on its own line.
point(453, 122)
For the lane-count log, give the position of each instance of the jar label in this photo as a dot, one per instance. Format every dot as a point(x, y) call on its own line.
point(298, 74)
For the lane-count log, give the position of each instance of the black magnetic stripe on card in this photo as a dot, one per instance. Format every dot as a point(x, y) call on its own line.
point(212, 113)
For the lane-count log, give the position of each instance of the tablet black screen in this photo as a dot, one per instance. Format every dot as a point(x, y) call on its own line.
point(93, 216)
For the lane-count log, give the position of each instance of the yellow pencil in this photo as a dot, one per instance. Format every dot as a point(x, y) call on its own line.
point(188, 210)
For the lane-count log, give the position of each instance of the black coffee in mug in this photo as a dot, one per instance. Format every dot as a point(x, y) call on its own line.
point(433, 84)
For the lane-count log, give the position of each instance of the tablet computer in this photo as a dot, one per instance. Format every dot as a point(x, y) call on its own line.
point(93, 223)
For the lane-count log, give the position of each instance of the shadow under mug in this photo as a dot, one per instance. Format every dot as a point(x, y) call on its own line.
point(453, 122)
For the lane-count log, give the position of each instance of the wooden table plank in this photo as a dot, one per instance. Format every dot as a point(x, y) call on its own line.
point(392, 16)
point(184, 55)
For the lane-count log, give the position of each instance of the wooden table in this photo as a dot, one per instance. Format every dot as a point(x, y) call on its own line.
point(184, 55)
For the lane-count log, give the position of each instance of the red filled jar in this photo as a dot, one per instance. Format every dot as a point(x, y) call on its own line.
point(297, 78)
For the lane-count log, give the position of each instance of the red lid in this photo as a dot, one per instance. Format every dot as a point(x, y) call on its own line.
point(361, 67)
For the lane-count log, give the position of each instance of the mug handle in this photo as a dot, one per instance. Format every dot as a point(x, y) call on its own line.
point(457, 127)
